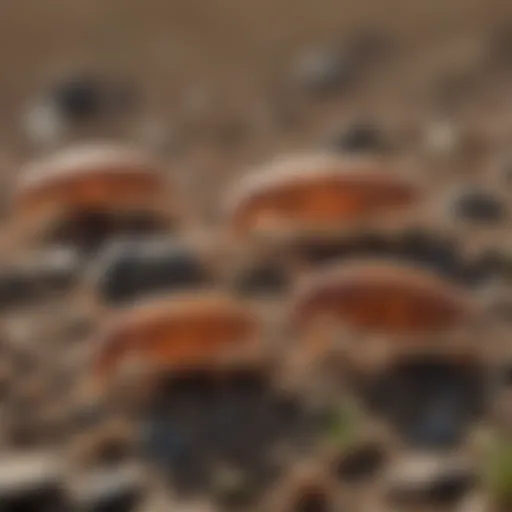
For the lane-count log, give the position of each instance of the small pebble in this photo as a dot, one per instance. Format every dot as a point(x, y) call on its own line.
point(321, 72)
point(430, 480)
point(83, 98)
point(109, 490)
point(43, 124)
point(34, 278)
point(31, 482)
point(55, 268)
point(479, 207)
point(442, 139)
point(73, 102)
point(359, 137)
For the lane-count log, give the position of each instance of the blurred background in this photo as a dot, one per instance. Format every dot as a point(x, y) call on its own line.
point(253, 77)
point(213, 88)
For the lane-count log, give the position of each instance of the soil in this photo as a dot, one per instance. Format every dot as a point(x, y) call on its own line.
point(218, 94)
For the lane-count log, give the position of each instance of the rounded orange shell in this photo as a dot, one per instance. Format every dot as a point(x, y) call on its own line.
point(87, 178)
point(385, 296)
point(318, 194)
point(180, 332)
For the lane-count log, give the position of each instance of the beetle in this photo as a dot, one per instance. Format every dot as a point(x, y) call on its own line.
point(308, 210)
point(178, 333)
point(85, 193)
point(318, 194)
point(385, 296)
point(313, 209)
point(129, 268)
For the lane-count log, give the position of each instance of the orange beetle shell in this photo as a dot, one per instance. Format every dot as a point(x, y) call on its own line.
point(318, 194)
point(97, 178)
point(180, 332)
point(384, 296)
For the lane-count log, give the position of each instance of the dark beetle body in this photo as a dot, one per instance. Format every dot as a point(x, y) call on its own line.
point(135, 267)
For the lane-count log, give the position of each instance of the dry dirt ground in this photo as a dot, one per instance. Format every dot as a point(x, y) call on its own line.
point(229, 63)
point(218, 96)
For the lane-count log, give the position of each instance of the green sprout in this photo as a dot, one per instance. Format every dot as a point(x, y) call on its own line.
point(341, 426)
point(499, 471)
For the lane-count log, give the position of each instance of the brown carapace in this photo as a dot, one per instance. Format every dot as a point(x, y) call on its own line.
point(98, 185)
point(179, 333)
point(384, 296)
point(318, 195)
